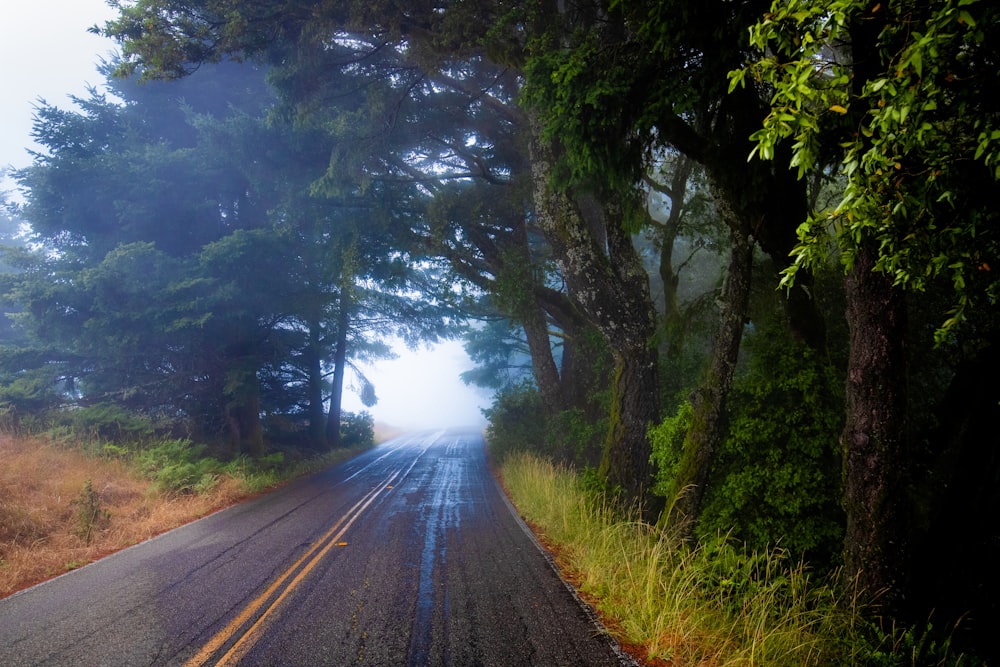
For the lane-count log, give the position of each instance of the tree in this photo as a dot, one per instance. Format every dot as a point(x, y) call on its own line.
point(898, 93)
point(245, 264)
point(123, 183)
point(428, 40)
point(619, 84)
point(347, 267)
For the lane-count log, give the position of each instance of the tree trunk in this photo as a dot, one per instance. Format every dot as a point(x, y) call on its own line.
point(673, 326)
point(708, 425)
point(635, 407)
point(608, 282)
point(530, 312)
point(543, 365)
point(317, 416)
point(635, 398)
point(246, 433)
point(873, 438)
point(585, 375)
point(339, 368)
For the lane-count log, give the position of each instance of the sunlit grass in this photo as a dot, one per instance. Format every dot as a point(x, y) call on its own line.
point(706, 605)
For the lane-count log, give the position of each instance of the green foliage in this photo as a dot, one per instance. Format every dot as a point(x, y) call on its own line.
point(666, 440)
point(578, 435)
point(106, 422)
point(516, 421)
point(357, 429)
point(777, 478)
point(89, 515)
point(258, 474)
point(908, 646)
point(111, 451)
point(28, 392)
point(918, 139)
point(586, 98)
point(587, 109)
point(512, 290)
point(179, 466)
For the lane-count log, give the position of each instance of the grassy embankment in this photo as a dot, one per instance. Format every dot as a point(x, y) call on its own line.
point(709, 606)
point(65, 504)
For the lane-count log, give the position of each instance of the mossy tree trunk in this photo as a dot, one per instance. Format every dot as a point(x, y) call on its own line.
point(708, 425)
point(608, 283)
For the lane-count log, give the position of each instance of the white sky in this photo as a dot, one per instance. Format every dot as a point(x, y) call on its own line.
point(46, 52)
point(421, 389)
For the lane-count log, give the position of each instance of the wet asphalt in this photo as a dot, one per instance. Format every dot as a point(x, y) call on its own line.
point(406, 555)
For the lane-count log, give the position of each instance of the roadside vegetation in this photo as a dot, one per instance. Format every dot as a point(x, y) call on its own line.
point(67, 500)
point(713, 602)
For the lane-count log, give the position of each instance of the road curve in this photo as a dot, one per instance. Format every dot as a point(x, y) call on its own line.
point(406, 555)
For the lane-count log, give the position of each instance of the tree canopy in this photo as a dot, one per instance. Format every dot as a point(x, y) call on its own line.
point(186, 271)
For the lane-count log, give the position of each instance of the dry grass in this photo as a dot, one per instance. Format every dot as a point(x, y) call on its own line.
point(40, 487)
point(41, 484)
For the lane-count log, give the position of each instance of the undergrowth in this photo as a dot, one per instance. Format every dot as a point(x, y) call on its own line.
point(712, 604)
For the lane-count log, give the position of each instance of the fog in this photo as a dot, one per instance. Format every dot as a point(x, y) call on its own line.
point(421, 389)
point(46, 52)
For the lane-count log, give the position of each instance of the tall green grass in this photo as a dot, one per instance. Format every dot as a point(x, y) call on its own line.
point(712, 604)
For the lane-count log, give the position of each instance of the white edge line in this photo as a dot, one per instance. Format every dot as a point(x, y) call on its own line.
point(625, 658)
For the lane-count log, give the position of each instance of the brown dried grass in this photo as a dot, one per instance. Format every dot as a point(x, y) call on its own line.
point(39, 482)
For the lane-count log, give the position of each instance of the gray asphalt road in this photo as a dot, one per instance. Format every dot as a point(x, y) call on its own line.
point(406, 555)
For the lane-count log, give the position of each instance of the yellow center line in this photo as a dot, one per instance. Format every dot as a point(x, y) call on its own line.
point(322, 546)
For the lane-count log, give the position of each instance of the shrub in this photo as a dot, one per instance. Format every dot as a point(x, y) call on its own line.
point(357, 429)
point(516, 421)
point(578, 437)
point(105, 421)
point(178, 466)
point(90, 514)
point(257, 474)
point(667, 443)
point(777, 476)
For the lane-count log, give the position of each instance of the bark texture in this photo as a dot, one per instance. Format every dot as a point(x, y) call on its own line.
point(709, 401)
point(609, 285)
point(873, 439)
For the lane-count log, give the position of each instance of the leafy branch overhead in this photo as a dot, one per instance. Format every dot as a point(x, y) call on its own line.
point(907, 127)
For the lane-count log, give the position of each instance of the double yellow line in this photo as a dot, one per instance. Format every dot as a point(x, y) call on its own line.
point(281, 588)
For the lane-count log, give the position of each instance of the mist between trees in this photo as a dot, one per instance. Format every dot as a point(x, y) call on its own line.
point(798, 347)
